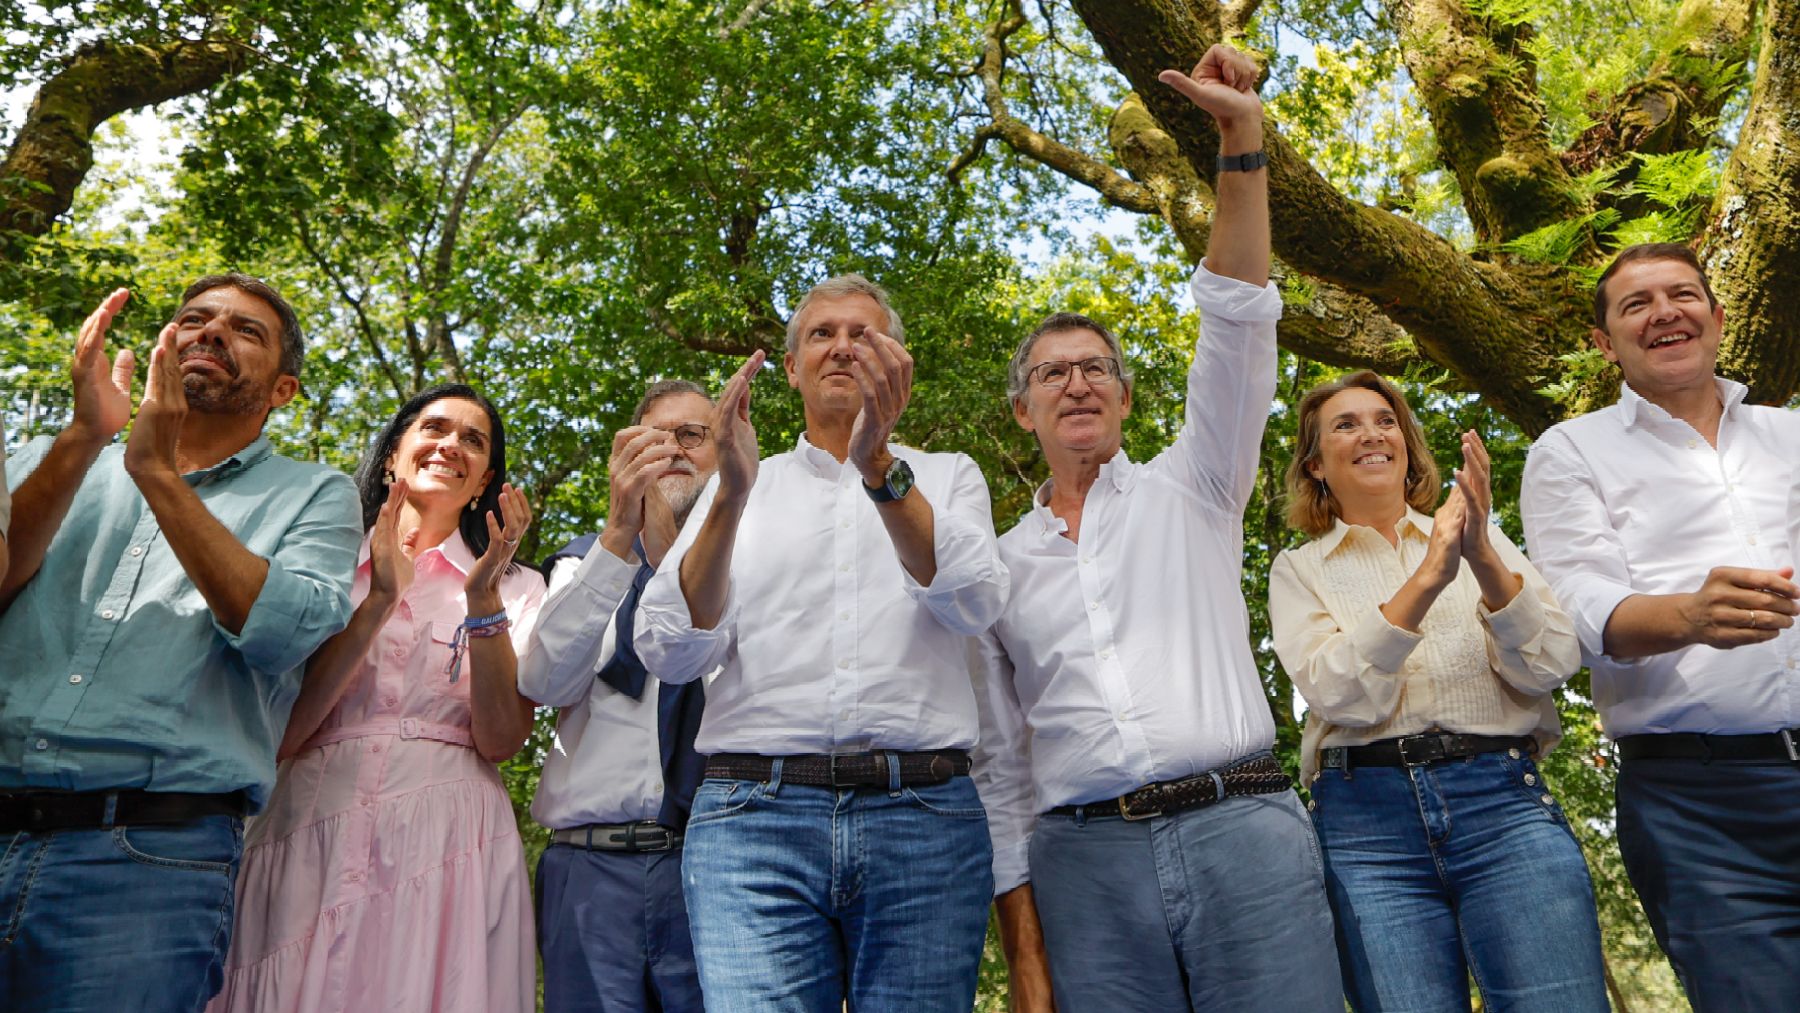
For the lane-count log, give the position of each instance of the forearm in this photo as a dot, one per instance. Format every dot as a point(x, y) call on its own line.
point(1239, 244)
point(40, 504)
point(331, 670)
point(1499, 584)
point(1646, 624)
point(911, 526)
point(499, 715)
point(1022, 942)
point(228, 576)
point(1407, 608)
point(706, 569)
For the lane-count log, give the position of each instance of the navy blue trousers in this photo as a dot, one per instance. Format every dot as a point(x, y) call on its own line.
point(613, 931)
point(1713, 850)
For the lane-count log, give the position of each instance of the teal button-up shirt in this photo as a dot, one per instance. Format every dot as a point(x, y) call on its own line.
point(114, 673)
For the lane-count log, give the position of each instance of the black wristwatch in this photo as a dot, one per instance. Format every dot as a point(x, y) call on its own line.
point(899, 482)
point(1249, 161)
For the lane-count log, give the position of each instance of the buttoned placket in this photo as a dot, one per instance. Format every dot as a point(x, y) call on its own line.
point(844, 692)
point(1114, 685)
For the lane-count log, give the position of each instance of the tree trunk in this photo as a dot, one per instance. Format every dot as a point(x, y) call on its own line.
point(54, 149)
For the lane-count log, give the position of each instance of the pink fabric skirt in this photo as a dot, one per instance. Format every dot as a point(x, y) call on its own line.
point(386, 874)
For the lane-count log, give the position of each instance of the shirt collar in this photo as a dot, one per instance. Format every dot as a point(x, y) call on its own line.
point(1631, 403)
point(1118, 471)
point(819, 461)
point(252, 453)
point(1330, 540)
point(454, 550)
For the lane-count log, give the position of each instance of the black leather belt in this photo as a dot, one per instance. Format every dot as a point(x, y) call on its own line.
point(1414, 750)
point(37, 811)
point(843, 770)
point(1254, 775)
point(1779, 746)
point(646, 835)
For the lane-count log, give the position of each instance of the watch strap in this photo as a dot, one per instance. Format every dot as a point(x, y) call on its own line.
point(1249, 161)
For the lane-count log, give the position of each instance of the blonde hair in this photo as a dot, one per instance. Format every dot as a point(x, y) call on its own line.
point(1311, 507)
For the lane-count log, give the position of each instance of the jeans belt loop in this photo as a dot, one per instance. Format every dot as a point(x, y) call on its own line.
point(110, 814)
point(1787, 739)
point(631, 841)
point(588, 833)
point(774, 781)
point(893, 766)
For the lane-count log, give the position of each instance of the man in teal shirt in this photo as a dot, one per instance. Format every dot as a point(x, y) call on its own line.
point(163, 596)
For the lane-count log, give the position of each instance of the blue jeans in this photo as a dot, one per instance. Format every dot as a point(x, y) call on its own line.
point(613, 931)
point(117, 920)
point(1462, 867)
point(802, 897)
point(1713, 851)
point(1220, 908)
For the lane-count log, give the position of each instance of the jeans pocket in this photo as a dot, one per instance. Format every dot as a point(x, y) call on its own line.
point(212, 844)
point(957, 801)
point(717, 799)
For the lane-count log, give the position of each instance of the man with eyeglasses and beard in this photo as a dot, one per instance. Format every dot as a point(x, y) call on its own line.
point(164, 595)
point(618, 781)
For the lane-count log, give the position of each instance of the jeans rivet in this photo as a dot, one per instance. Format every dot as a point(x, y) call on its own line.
point(1514, 753)
point(1548, 800)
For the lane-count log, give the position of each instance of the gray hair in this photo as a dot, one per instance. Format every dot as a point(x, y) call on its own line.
point(661, 389)
point(1018, 372)
point(838, 288)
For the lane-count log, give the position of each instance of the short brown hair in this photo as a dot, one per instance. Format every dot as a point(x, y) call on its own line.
point(1310, 505)
point(293, 344)
point(661, 389)
point(1648, 251)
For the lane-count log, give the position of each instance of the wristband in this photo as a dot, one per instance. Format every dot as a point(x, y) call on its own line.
point(474, 626)
point(1249, 161)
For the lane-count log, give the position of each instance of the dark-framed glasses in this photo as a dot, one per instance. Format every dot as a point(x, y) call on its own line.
point(1054, 374)
point(690, 435)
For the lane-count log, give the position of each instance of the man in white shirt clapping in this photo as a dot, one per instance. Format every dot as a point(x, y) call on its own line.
point(837, 849)
point(620, 776)
point(1667, 524)
point(1136, 807)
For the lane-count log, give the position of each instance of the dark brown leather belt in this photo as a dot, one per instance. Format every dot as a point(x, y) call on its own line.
point(1415, 750)
point(1779, 746)
point(37, 811)
point(843, 770)
point(1253, 775)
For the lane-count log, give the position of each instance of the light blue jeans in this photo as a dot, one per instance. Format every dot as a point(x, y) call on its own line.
point(117, 920)
point(1221, 908)
point(1455, 868)
point(803, 897)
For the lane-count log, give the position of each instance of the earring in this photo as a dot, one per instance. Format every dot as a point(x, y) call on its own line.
point(387, 477)
point(474, 503)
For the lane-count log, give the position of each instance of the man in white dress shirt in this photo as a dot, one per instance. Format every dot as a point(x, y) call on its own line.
point(837, 849)
point(1136, 808)
point(1667, 524)
point(621, 774)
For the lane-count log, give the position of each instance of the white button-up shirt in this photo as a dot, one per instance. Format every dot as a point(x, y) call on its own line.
point(827, 644)
point(605, 764)
point(1630, 500)
point(1126, 659)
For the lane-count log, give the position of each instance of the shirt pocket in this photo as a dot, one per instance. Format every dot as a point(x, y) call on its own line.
point(438, 648)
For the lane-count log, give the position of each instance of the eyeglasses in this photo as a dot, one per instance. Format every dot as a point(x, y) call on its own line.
point(1054, 375)
point(689, 435)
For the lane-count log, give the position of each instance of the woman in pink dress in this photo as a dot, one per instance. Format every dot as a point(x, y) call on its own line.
point(387, 871)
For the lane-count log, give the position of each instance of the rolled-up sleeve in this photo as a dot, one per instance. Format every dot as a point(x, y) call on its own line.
point(1531, 641)
point(666, 640)
point(306, 596)
point(970, 587)
point(1571, 540)
point(1348, 677)
point(1002, 762)
point(565, 646)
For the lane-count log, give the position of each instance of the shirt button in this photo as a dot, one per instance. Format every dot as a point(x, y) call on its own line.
point(75, 680)
point(843, 662)
point(399, 652)
point(843, 715)
point(844, 616)
point(367, 802)
point(375, 747)
point(1693, 443)
point(354, 877)
point(1093, 606)
point(108, 614)
point(137, 550)
point(389, 701)
point(1105, 653)
point(1531, 779)
point(845, 568)
point(1752, 539)
point(41, 744)
point(655, 790)
point(843, 524)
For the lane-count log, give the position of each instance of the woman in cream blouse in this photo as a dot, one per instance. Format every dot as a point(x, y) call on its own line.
point(1427, 649)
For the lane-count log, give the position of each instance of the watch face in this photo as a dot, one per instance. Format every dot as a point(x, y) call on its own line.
point(900, 479)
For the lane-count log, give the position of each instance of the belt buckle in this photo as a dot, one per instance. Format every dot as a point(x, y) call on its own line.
point(1406, 760)
point(1787, 739)
point(409, 728)
point(1125, 804)
point(634, 843)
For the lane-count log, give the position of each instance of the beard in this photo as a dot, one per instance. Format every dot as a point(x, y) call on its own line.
point(681, 489)
point(236, 394)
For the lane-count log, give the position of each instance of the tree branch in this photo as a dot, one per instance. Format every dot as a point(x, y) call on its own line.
point(364, 326)
point(1753, 241)
point(54, 149)
point(742, 21)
